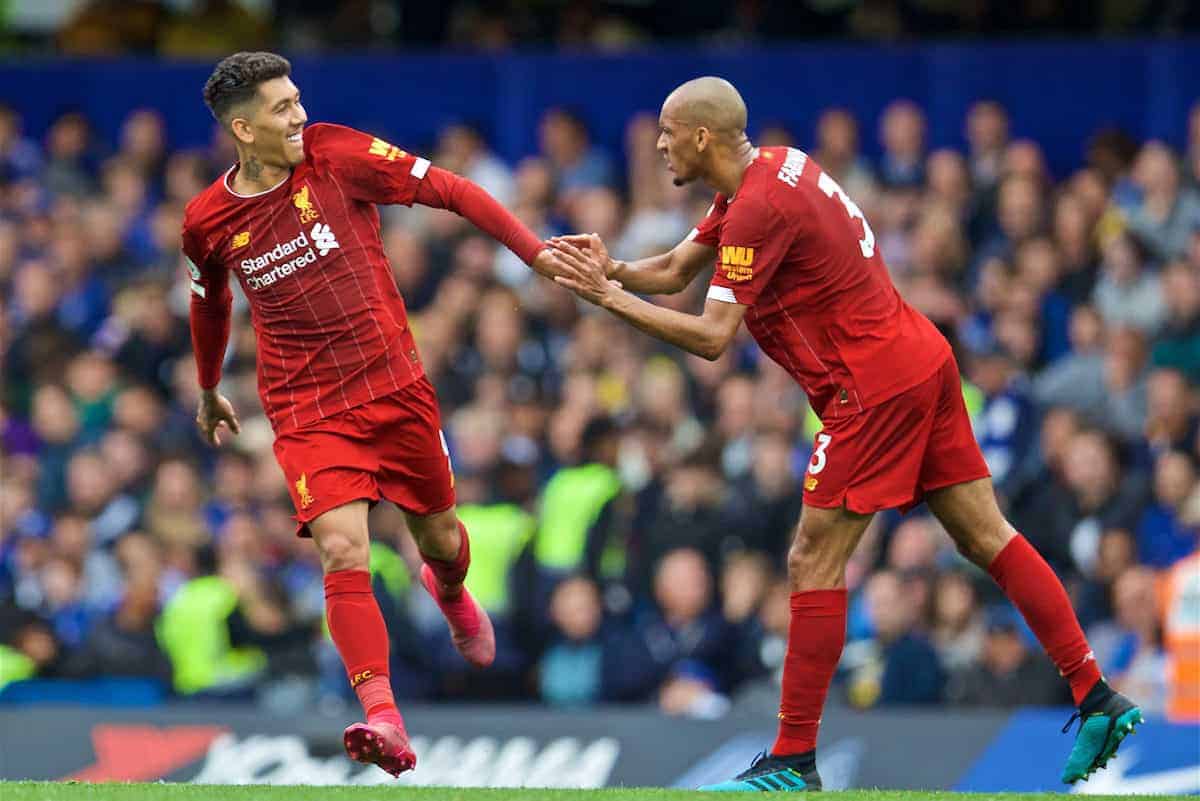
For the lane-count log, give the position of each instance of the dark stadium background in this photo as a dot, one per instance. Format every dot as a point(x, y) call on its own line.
point(1031, 171)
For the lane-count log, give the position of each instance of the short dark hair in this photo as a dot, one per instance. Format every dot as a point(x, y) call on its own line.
point(236, 78)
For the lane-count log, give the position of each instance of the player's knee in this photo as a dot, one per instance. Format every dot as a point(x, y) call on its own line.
point(343, 552)
point(981, 545)
point(807, 561)
point(436, 535)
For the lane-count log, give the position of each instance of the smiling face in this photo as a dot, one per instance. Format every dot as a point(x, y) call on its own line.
point(272, 122)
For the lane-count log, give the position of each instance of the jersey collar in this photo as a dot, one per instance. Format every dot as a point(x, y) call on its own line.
point(230, 190)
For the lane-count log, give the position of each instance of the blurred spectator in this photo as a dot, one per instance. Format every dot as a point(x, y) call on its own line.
point(144, 144)
point(1128, 293)
point(71, 156)
point(765, 507)
point(1168, 213)
point(124, 643)
point(1129, 649)
point(1164, 534)
point(1172, 418)
point(1010, 673)
point(1077, 379)
point(684, 635)
point(462, 149)
point(573, 669)
point(902, 134)
point(837, 152)
point(1073, 235)
point(173, 510)
point(1006, 427)
point(28, 647)
point(1116, 554)
point(904, 667)
point(688, 515)
point(19, 156)
point(958, 621)
point(56, 425)
point(1064, 520)
point(1179, 345)
point(987, 137)
point(1019, 213)
point(578, 518)
point(1106, 386)
point(576, 162)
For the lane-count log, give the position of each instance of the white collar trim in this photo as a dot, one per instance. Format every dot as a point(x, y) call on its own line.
point(229, 189)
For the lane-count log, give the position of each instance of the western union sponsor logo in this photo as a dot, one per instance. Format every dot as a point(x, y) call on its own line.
point(736, 261)
point(736, 256)
point(385, 151)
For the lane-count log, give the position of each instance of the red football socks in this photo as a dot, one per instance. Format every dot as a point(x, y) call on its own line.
point(361, 637)
point(451, 572)
point(815, 639)
point(1034, 588)
point(375, 695)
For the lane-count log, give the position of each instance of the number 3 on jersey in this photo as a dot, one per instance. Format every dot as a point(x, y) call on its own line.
point(830, 187)
point(817, 463)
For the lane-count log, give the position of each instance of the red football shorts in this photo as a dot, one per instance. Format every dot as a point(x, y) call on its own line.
point(391, 447)
point(890, 455)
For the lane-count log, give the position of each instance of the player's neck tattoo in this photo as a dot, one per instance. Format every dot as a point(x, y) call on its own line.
point(252, 168)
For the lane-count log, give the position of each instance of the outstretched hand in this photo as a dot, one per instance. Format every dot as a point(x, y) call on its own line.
point(584, 271)
point(214, 411)
point(589, 243)
point(546, 263)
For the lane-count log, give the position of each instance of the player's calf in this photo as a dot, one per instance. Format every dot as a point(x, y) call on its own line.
point(445, 547)
point(470, 628)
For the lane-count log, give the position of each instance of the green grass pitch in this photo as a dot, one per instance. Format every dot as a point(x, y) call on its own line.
point(54, 791)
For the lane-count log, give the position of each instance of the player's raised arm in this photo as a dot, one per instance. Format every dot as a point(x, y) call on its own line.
point(706, 335)
point(443, 189)
point(664, 274)
point(375, 171)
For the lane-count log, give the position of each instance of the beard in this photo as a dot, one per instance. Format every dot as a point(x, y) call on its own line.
point(681, 181)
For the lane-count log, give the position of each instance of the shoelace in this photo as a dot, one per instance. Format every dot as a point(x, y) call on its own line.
point(758, 760)
point(1076, 716)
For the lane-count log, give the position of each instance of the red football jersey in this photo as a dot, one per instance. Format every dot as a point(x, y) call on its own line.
point(331, 326)
point(798, 252)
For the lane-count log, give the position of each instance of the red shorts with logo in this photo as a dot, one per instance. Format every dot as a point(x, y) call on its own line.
point(391, 447)
point(890, 455)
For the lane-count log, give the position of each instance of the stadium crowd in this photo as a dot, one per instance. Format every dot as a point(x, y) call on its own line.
point(191, 28)
point(630, 507)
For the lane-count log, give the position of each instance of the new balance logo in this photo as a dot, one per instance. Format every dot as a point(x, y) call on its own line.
point(323, 238)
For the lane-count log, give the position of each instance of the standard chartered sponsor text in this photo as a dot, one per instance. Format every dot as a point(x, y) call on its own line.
point(253, 268)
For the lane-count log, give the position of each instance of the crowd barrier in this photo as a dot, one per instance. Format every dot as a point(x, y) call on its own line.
point(533, 746)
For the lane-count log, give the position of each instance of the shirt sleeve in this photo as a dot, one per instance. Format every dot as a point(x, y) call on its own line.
point(442, 189)
point(211, 309)
point(753, 243)
point(708, 231)
point(371, 170)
